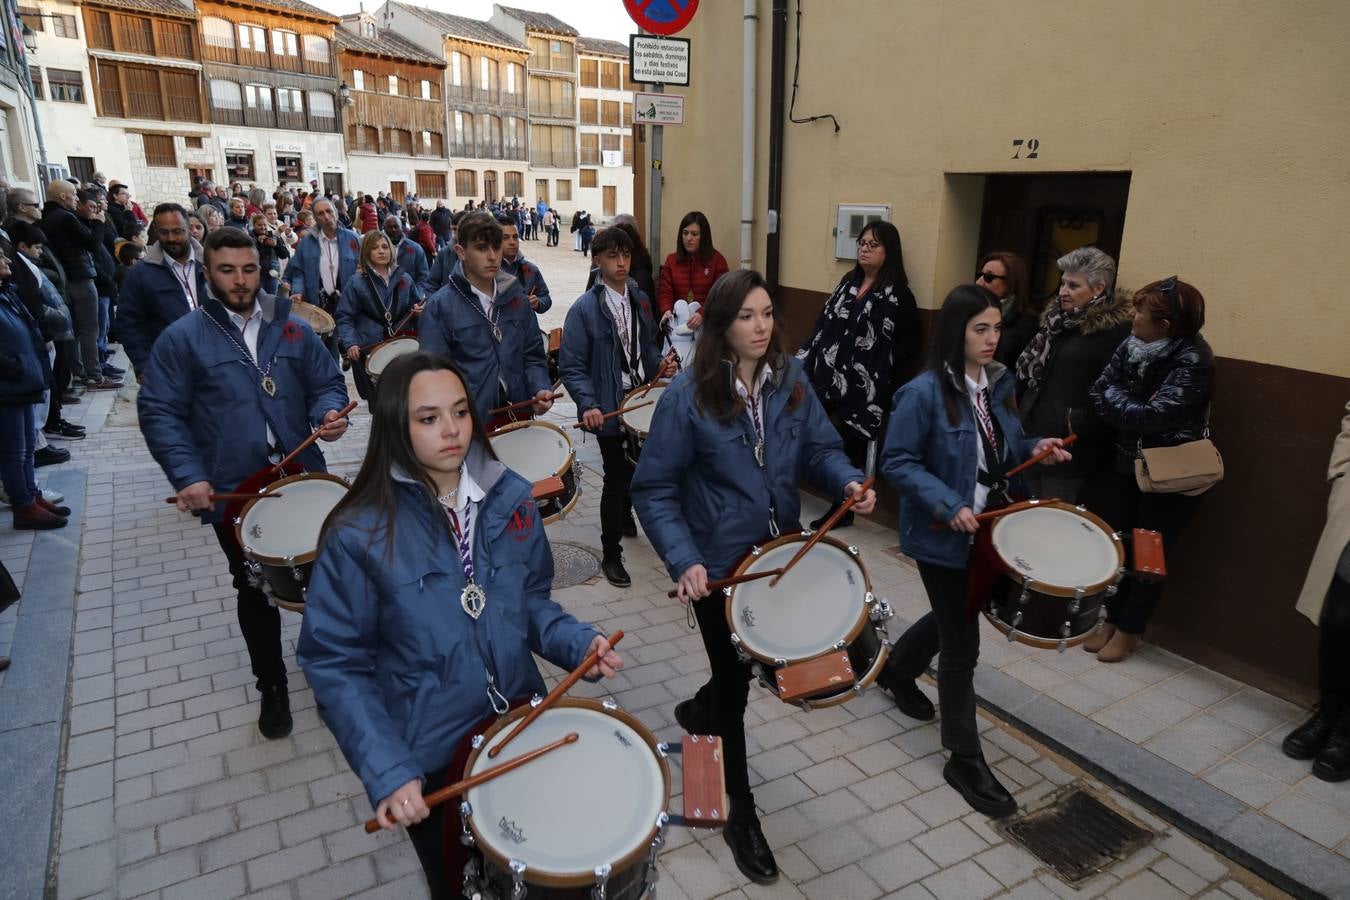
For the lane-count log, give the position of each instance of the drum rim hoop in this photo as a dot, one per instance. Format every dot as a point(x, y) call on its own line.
point(853, 632)
point(1032, 640)
point(538, 423)
point(635, 394)
point(376, 348)
point(1058, 590)
point(263, 558)
point(305, 309)
point(578, 879)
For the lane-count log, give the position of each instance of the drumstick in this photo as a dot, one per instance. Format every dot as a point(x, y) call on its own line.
point(825, 526)
point(733, 580)
point(1001, 511)
point(514, 406)
point(1017, 470)
point(304, 445)
point(435, 798)
point(405, 320)
point(617, 412)
point(225, 498)
point(563, 686)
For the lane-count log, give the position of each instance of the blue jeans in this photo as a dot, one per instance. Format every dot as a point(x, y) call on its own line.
point(18, 441)
point(104, 314)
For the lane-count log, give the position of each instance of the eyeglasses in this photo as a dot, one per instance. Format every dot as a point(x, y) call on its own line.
point(869, 245)
point(1168, 288)
point(990, 277)
point(34, 205)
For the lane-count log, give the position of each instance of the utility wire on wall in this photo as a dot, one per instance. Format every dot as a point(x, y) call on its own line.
point(796, 77)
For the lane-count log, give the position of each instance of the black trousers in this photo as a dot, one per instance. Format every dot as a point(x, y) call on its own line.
point(61, 374)
point(428, 839)
point(1333, 663)
point(725, 695)
point(1130, 508)
point(364, 388)
point(258, 620)
point(615, 504)
point(956, 641)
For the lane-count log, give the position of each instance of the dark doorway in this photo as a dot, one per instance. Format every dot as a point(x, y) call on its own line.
point(1042, 217)
point(332, 183)
point(81, 167)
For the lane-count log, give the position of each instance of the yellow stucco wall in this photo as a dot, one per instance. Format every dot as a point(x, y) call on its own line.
point(1233, 118)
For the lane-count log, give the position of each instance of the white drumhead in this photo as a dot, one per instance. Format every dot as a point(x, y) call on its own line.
point(289, 525)
point(535, 451)
point(387, 352)
point(639, 421)
point(1056, 547)
point(580, 806)
point(815, 606)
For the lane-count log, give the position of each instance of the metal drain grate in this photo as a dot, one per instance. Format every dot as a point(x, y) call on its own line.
point(1077, 836)
point(573, 564)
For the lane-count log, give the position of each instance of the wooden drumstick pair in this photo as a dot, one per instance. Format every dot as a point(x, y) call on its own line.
point(617, 412)
point(314, 436)
point(512, 407)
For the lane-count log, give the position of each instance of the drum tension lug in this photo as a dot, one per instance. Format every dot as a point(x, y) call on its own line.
point(535, 701)
point(1012, 632)
point(601, 880)
point(853, 551)
point(609, 704)
point(755, 551)
point(465, 834)
point(517, 879)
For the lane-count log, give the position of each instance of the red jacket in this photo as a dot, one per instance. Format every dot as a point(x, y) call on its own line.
point(426, 238)
point(367, 218)
point(680, 279)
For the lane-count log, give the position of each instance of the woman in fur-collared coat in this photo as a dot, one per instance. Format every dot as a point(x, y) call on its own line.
point(1077, 336)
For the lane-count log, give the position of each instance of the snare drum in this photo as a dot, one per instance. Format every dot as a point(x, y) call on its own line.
point(538, 829)
point(385, 352)
point(539, 450)
point(320, 321)
point(637, 425)
point(824, 606)
point(280, 535)
point(1062, 562)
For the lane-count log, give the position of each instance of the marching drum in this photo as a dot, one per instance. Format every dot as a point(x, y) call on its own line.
point(539, 450)
point(637, 425)
point(585, 818)
point(385, 352)
point(1062, 562)
point(280, 535)
point(819, 636)
point(320, 321)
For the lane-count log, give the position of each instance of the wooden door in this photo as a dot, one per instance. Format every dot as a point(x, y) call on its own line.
point(398, 190)
point(541, 191)
point(611, 199)
point(489, 186)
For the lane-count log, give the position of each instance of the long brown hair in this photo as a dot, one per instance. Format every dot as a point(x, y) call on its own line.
point(391, 446)
point(714, 350)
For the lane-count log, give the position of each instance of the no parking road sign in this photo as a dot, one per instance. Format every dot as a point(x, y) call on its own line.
point(661, 16)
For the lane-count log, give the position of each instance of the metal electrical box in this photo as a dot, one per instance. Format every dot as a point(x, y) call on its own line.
point(850, 219)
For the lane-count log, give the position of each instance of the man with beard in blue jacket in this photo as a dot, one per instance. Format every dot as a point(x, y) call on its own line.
point(167, 284)
point(483, 321)
point(230, 387)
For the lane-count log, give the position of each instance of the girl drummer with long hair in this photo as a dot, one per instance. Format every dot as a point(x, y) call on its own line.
point(729, 440)
point(953, 433)
point(429, 594)
point(372, 305)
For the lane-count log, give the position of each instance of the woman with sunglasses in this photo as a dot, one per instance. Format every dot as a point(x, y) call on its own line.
point(1004, 275)
point(868, 331)
point(429, 596)
point(1156, 391)
point(1079, 331)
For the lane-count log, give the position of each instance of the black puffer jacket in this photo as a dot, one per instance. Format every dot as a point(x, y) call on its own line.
point(73, 240)
point(1059, 404)
point(1164, 405)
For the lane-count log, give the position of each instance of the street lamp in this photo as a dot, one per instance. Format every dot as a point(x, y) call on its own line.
point(345, 94)
point(29, 39)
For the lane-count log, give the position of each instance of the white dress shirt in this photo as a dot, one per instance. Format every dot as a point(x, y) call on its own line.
point(622, 311)
point(186, 273)
point(485, 300)
point(330, 258)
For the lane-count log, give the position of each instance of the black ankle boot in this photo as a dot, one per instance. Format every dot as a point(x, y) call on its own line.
point(694, 718)
point(748, 845)
point(615, 573)
point(972, 778)
point(911, 701)
point(1333, 763)
point(274, 719)
point(1308, 739)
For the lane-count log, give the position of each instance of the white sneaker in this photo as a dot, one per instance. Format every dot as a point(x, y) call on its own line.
point(52, 496)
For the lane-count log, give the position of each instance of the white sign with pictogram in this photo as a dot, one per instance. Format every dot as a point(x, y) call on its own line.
point(658, 109)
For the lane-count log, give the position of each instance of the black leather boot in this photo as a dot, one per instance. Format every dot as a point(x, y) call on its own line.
point(748, 845)
point(630, 525)
point(274, 719)
point(615, 573)
point(1333, 763)
point(972, 778)
point(1307, 740)
point(911, 701)
point(694, 718)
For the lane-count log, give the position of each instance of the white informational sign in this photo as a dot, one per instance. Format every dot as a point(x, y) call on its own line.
point(658, 60)
point(658, 109)
point(611, 159)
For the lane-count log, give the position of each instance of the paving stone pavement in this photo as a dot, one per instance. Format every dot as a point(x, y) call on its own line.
point(169, 791)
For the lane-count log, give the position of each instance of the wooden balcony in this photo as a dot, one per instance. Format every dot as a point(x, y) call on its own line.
point(259, 117)
point(324, 124)
point(227, 113)
point(293, 119)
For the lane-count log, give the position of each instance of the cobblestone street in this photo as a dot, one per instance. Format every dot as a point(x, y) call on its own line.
point(163, 787)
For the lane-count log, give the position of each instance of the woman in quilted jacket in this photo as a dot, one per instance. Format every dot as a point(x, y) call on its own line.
point(1155, 391)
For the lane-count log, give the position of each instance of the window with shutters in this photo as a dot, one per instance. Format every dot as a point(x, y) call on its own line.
point(64, 26)
point(227, 105)
point(457, 69)
point(564, 190)
point(321, 114)
point(257, 96)
point(609, 75)
point(217, 39)
point(285, 43)
point(466, 183)
point(590, 149)
point(66, 85)
point(192, 143)
point(393, 85)
point(252, 37)
point(513, 79)
point(609, 143)
point(142, 93)
point(36, 72)
point(239, 164)
point(134, 34)
point(590, 178)
point(513, 183)
point(590, 111)
point(316, 50)
point(609, 112)
point(358, 80)
point(175, 39)
point(425, 88)
point(430, 185)
point(589, 72)
point(363, 139)
point(627, 150)
point(159, 150)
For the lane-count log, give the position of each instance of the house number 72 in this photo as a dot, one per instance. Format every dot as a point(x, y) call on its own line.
point(1032, 147)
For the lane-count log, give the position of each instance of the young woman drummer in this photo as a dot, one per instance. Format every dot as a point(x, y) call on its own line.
point(730, 439)
point(953, 433)
point(430, 592)
point(372, 304)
